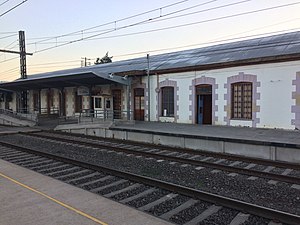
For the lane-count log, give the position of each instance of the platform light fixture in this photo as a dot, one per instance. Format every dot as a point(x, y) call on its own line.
point(111, 75)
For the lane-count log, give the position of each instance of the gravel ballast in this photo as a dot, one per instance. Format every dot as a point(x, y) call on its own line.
point(280, 196)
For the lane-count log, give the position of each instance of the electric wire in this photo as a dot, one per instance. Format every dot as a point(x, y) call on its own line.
point(7, 46)
point(8, 36)
point(190, 45)
point(116, 21)
point(4, 2)
point(203, 21)
point(218, 41)
point(9, 70)
point(59, 62)
point(13, 8)
point(92, 37)
point(8, 32)
point(153, 19)
point(113, 29)
point(159, 19)
point(6, 60)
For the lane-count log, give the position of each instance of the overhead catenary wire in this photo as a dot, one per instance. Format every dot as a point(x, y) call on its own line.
point(113, 29)
point(7, 47)
point(4, 2)
point(153, 19)
point(115, 21)
point(13, 8)
point(119, 28)
point(159, 19)
point(59, 62)
point(145, 21)
point(7, 60)
point(109, 37)
point(10, 70)
point(218, 41)
point(92, 37)
point(8, 36)
point(8, 32)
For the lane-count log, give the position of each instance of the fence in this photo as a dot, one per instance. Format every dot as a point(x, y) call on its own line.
point(20, 114)
point(88, 115)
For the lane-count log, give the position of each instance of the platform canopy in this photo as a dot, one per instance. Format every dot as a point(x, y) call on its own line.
point(64, 78)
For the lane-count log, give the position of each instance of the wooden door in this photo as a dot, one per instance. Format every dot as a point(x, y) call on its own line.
point(139, 104)
point(117, 104)
point(204, 104)
point(62, 103)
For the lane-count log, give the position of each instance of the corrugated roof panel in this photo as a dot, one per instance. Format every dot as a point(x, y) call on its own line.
point(275, 45)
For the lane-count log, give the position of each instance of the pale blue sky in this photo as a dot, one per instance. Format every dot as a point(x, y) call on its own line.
point(43, 19)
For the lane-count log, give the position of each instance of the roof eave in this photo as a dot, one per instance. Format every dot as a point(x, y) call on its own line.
point(236, 63)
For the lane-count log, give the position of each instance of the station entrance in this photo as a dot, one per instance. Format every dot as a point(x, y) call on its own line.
point(139, 104)
point(204, 104)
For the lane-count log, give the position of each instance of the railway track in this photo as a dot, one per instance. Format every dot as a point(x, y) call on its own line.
point(188, 157)
point(176, 203)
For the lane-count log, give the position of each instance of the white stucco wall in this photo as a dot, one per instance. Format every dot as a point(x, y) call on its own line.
point(275, 91)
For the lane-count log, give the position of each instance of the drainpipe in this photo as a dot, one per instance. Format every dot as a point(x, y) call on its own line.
point(40, 101)
point(148, 76)
point(128, 88)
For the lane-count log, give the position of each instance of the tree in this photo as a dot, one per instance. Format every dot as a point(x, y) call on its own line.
point(105, 59)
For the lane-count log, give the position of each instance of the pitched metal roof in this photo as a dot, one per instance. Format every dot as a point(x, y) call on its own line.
point(276, 45)
point(287, 45)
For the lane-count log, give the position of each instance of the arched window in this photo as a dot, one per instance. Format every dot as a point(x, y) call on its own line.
point(167, 101)
point(241, 100)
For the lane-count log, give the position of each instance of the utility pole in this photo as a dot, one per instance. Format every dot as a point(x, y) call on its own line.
point(85, 63)
point(22, 54)
point(23, 72)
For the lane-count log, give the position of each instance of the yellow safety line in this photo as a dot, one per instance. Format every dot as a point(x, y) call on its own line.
point(55, 200)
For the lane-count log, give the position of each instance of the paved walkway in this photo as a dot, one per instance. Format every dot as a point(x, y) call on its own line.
point(241, 133)
point(10, 129)
point(29, 198)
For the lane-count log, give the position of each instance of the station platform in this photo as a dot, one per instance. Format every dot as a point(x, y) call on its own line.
point(271, 144)
point(30, 198)
point(291, 137)
point(14, 130)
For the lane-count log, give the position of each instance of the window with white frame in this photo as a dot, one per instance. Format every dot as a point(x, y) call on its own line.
point(167, 101)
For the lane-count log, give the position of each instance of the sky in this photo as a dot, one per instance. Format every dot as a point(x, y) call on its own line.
point(61, 33)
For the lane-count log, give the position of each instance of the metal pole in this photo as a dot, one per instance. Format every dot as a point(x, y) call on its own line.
point(22, 55)
point(148, 76)
point(128, 88)
point(23, 71)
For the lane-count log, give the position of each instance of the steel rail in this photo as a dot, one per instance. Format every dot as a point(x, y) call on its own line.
point(266, 162)
point(231, 169)
point(190, 192)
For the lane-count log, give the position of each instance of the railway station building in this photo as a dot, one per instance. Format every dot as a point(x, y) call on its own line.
point(252, 83)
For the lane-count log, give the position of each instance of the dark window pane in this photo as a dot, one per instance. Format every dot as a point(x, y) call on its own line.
point(167, 94)
point(241, 100)
point(78, 103)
